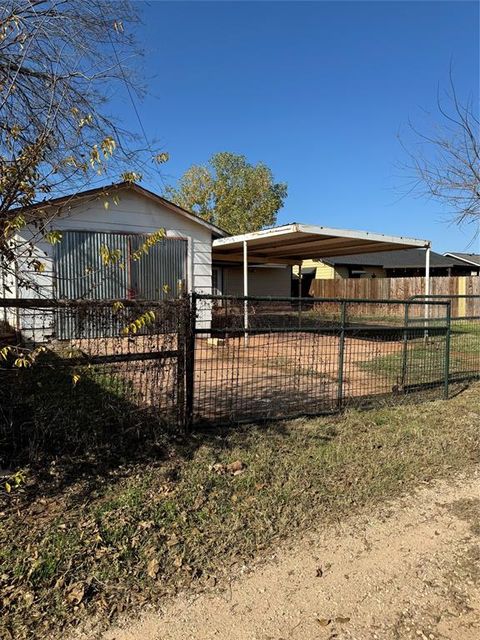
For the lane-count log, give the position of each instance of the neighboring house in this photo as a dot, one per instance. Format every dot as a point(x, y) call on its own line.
point(387, 264)
point(470, 259)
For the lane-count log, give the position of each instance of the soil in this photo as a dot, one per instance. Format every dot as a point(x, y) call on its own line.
point(408, 570)
point(284, 374)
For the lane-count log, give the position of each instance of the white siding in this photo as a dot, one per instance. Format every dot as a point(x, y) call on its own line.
point(8, 289)
point(262, 281)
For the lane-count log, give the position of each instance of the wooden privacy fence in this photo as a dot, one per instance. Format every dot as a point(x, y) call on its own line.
point(402, 289)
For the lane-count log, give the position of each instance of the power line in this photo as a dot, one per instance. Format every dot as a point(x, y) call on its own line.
point(132, 100)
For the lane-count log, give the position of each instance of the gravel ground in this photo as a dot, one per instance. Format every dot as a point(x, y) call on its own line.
point(408, 570)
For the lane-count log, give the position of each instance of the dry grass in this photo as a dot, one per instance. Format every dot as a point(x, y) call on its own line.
point(74, 547)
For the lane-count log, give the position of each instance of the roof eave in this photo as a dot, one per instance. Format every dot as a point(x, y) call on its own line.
point(459, 257)
point(72, 199)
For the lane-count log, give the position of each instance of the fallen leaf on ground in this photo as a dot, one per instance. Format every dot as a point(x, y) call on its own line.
point(236, 467)
point(153, 567)
point(75, 593)
point(172, 541)
point(324, 622)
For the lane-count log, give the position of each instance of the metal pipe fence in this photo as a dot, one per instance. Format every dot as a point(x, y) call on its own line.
point(464, 349)
point(84, 373)
point(312, 355)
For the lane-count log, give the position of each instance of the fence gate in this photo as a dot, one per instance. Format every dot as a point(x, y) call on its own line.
point(464, 361)
point(264, 358)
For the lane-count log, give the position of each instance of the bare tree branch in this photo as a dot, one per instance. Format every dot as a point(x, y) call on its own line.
point(60, 61)
point(445, 163)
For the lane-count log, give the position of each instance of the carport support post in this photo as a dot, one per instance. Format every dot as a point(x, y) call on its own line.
point(427, 285)
point(245, 291)
point(299, 295)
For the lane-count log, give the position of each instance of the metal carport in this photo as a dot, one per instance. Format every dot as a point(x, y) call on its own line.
point(293, 243)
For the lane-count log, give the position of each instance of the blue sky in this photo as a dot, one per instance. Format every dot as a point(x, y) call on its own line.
point(318, 91)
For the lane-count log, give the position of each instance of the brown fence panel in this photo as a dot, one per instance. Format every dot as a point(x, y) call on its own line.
point(401, 289)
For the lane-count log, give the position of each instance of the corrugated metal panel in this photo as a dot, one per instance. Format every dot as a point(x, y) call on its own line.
point(81, 274)
point(161, 272)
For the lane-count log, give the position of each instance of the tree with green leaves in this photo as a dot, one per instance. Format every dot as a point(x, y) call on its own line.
point(230, 192)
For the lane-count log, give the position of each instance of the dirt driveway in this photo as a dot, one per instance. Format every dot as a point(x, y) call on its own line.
point(411, 570)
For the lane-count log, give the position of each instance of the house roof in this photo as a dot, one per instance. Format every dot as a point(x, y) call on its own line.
point(405, 259)
point(68, 201)
point(469, 258)
point(295, 242)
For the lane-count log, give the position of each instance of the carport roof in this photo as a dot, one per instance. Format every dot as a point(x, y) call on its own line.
point(292, 243)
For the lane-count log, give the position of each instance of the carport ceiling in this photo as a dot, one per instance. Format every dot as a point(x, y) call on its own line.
point(292, 243)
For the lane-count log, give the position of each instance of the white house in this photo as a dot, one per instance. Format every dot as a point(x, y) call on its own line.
point(116, 219)
point(120, 217)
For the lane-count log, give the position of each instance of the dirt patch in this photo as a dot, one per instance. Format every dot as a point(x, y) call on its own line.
point(404, 572)
point(468, 510)
point(282, 374)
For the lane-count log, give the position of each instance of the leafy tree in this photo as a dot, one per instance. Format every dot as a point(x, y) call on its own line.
point(60, 62)
point(230, 192)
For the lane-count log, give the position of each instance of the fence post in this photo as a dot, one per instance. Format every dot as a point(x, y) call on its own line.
point(447, 350)
point(182, 319)
point(405, 348)
point(191, 311)
point(341, 354)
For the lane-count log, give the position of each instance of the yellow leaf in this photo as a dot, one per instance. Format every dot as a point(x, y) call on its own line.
point(21, 362)
point(160, 158)
point(8, 487)
point(38, 266)
point(4, 352)
point(52, 237)
point(153, 567)
point(75, 378)
point(131, 176)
